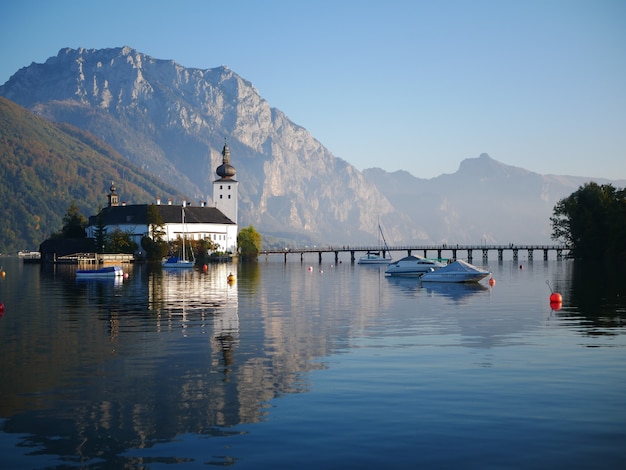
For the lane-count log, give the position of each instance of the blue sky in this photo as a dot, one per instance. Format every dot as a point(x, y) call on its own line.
point(413, 85)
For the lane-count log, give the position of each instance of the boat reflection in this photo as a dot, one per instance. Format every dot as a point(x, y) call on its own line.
point(116, 281)
point(407, 285)
point(456, 292)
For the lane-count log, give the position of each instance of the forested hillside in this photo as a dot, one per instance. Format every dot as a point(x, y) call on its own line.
point(44, 167)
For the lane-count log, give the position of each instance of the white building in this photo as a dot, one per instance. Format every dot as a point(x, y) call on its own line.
point(218, 224)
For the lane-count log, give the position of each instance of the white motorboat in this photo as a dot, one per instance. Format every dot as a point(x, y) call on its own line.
point(108, 271)
point(458, 271)
point(413, 266)
point(374, 257)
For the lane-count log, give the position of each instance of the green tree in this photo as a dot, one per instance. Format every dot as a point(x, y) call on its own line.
point(154, 245)
point(592, 221)
point(74, 224)
point(204, 249)
point(100, 234)
point(121, 242)
point(249, 243)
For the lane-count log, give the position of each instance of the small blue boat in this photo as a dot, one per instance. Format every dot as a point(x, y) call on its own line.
point(108, 271)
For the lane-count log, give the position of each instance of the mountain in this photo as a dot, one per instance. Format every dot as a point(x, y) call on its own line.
point(48, 166)
point(171, 121)
point(484, 201)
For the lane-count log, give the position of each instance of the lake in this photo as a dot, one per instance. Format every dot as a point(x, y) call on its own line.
point(308, 365)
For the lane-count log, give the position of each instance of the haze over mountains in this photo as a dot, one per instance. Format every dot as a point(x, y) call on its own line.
point(172, 121)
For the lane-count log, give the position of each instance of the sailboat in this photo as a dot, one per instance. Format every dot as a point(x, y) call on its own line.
point(375, 257)
point(182, 262)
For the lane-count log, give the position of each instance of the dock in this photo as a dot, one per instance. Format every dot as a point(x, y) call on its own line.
point(440, 251)
point(95, 258)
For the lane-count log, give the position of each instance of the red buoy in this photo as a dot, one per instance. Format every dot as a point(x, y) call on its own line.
point(556, 297)
point(205, 268)
point(556, 306)
point(492, 281)
point(1, 309)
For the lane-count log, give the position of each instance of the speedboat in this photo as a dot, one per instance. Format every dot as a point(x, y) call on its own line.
point(413, 266)
point(458, 271)
point(108, 271)
point(374, 257)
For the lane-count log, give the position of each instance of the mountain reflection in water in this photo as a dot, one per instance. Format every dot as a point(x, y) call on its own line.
point(337, 366)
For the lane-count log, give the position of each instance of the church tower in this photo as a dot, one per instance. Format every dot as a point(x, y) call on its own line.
point(225, 189)
point(113, 197)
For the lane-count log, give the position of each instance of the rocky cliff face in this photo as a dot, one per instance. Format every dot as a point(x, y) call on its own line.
point(172, 121)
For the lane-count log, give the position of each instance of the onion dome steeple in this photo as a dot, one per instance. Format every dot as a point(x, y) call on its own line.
point(113, 197)
point(225, 170)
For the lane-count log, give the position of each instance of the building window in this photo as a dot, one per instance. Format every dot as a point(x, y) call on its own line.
point(229, 196)
point(221, 196)
point(229, 186)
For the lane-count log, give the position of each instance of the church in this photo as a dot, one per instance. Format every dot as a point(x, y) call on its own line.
point(217, 223)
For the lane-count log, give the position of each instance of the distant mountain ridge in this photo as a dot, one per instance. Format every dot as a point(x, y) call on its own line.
point(172, 121)
point(484, 201)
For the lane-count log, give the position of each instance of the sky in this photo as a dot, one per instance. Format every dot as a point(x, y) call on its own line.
point(396, 84)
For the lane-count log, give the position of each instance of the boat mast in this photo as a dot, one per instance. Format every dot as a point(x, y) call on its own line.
point(384, 241)
point(184, 231)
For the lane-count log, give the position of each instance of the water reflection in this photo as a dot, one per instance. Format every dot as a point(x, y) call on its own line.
point(458, 293)
point(599, 292)
point(412, 287)
point(407, 286)
point(149, 357)
point(144, 360)
point(118, 374)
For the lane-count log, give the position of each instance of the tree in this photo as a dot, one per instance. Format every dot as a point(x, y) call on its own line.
point(154, 245)
point(121, 242)
point(249, 243)
point(74, 224)
point(592, 221)
point(100, 234)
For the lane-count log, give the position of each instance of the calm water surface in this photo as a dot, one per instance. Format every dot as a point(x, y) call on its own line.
point(312, 366)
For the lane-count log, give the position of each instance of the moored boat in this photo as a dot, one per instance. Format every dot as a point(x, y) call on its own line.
point(182, 262)
point(107, 271)
point(458, 271)
point(374, 257)
point(413, 266)
point(175, 262)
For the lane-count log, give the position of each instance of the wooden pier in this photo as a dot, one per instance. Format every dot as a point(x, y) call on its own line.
point(443, 251)
point(95, 258)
